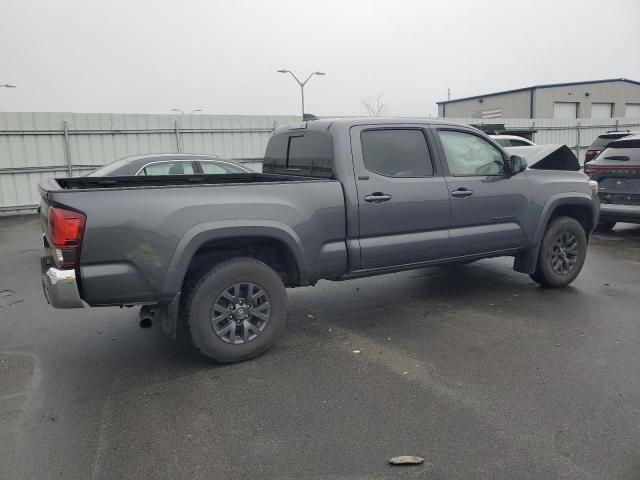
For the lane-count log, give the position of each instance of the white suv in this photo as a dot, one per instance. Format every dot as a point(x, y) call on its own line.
point(511, 141)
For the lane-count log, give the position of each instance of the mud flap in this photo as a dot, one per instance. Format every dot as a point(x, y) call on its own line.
point(525, 261)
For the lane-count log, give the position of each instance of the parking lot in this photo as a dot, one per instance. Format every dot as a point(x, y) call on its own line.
point(473, 367)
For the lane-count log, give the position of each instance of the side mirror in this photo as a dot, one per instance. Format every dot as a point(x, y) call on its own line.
point(517, 164)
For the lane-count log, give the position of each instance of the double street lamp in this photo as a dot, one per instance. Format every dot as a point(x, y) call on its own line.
point(302, 84)
point(182, 113)
point(6, 85)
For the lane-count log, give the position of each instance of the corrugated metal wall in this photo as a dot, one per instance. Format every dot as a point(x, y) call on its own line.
point(577, 134)
point(513, 105)
point(618, 93)
point(33, 146)
point(517, 104)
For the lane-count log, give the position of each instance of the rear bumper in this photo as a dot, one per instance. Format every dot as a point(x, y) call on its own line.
point(614, 212)
point(60, 288)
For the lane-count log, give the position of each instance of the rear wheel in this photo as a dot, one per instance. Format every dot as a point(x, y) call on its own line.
point(236, 310)
point(562, 253)
point(605, 226)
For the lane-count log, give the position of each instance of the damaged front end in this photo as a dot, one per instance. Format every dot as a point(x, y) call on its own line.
point(547, 157)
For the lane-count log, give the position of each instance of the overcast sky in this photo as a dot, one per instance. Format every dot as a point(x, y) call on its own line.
point(149, 56)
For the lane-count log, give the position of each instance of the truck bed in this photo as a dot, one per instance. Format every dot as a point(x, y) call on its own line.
point(142, 232)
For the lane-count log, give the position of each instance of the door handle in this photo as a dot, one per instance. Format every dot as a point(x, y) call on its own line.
point(377, 197)
point(462, 193)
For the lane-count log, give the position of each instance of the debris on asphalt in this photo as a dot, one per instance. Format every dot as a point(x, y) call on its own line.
point(309, 316)
point(406, 460)
point(356, 351)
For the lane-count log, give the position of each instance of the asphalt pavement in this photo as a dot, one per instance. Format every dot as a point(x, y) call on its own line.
point(474, 367)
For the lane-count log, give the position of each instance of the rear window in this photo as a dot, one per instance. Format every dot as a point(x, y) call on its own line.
point(503, 142)
point(625, 156)
point(110, 168)
point(604, 140)
point(305, 153)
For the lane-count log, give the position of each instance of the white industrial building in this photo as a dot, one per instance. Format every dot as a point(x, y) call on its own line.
point(612, 98)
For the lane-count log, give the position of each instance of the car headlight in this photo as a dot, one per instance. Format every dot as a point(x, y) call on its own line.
point(594, 186)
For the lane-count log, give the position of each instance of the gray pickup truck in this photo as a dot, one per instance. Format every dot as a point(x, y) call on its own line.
point(337, 199)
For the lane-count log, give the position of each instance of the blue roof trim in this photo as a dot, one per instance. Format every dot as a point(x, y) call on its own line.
point(549, 85)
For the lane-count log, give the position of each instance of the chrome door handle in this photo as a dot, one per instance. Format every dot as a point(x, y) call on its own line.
point(377, 197)
point(462, 193)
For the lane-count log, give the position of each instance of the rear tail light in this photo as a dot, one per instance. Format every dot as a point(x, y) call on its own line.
point(613, 168)
point(65, 230)
point(590, 155)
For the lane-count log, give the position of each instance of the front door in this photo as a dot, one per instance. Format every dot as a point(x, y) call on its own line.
point(488, 203)
point(402, 196)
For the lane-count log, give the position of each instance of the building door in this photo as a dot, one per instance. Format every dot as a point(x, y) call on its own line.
point(632, 110)
point(601, 110)
point(565, 110)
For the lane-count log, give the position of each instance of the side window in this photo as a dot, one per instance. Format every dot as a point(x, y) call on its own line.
point(519, 143)
point(212, 168)
point(396, 152)
point(504, 142)
point(470, 155)
point(168, 168)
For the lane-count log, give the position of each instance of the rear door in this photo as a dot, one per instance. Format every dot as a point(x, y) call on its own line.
point(488, 204)
point(402, 196)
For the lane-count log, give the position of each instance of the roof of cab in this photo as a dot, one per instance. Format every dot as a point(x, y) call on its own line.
point(325, 124)
point(141, 156)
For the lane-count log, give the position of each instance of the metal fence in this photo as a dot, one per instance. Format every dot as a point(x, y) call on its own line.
point(576, 134)
point(34, 146)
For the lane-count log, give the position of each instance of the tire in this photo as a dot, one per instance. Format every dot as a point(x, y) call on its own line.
point(555, 256)
point(604, 227)
point(218, 327)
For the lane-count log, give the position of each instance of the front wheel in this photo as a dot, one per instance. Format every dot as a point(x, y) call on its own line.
point(562, 253)
point(236, 310)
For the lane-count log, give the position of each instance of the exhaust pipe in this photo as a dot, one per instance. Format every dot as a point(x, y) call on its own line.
point(147, 316)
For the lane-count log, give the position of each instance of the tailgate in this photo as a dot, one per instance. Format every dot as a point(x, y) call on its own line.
point(618, 186)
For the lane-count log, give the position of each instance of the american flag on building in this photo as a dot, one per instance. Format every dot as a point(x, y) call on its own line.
point(495, 113)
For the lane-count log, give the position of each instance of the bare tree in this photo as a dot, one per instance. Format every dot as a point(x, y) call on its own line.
point(375, 106)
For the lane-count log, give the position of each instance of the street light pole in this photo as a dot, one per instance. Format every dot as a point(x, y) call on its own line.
point(302, 84)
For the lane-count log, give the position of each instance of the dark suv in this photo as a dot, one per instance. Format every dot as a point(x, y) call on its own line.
point(617, 171)
point(600, 143)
